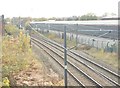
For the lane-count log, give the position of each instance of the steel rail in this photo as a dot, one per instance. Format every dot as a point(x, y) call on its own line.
point(96, 64)
point(53, 42)
point(98, 84)
point(76, 79)
point(86, 65)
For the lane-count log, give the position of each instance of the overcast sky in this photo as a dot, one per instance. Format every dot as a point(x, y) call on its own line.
point(56, 8)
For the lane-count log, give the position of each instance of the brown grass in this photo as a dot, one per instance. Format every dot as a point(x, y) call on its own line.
point(107, 57)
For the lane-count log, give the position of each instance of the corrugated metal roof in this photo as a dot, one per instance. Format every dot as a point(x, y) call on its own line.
point(95, 22)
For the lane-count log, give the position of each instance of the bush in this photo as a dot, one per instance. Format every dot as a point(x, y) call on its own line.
point(11, 29)
point(16, 52)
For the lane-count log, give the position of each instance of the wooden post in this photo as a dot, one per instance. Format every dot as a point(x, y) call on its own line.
point(3, 31)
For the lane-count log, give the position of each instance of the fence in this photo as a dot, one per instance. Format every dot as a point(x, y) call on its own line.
point(87, 35)
point(99, 43)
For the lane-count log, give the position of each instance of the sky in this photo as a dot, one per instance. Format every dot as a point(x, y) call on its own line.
point(56, 8)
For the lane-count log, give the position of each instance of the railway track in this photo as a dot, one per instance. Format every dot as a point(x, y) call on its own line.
point(79, 82)
point(93, 77)
point(108, 74)
point(72, 70)
point(105, 72)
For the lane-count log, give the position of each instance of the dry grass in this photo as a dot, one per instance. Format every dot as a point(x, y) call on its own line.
point(18, 60)
point(60, 40)
point(109, 58)
point(36, 75)
point(16, 54)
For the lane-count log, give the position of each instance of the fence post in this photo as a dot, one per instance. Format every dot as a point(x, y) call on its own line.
point(93, 42)
point(3, 24)
point(107, 47)
point(97, 44)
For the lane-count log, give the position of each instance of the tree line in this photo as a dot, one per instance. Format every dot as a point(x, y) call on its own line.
point(23, 21)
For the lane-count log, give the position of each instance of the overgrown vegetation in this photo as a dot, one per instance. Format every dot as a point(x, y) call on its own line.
point(110, 58)
point(11, 29)
point(16, 53)
point(17, 58)
point(100, 54)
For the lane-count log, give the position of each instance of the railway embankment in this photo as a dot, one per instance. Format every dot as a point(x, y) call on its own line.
point(21, 66)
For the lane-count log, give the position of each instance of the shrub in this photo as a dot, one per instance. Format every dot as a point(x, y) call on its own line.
point(11, 29)
point(15, 53)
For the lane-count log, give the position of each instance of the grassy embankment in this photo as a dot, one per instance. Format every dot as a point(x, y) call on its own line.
point(108, 58)
point(16, 53)
point(17, 58)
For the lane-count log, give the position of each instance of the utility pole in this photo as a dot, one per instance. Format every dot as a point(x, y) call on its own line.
point(65, 58)
point(76, 35)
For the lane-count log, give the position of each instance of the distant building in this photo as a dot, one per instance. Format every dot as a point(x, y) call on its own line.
point(110, 18)
point(51, 20)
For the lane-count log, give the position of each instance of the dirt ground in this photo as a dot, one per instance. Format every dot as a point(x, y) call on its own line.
point(38, 75)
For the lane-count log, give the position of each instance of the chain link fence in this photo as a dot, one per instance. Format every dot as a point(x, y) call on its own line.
point(100, 43)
